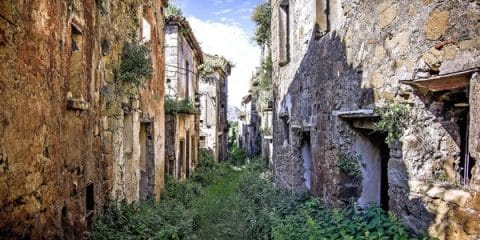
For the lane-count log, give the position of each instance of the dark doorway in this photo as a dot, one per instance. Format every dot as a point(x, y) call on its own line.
point(90, 204)
point(379, 140)
point(466, 161)
point(147, 164)
point(181, 158)
point(187, 155)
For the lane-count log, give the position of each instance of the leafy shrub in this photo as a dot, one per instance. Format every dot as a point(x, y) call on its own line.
point(313, 220)
point(136, 64)
point(350, 165)
point(145, 220)
point(236, 156)
point(275, 214)
point(179, 106)
point(393, 120)
point(208, 171)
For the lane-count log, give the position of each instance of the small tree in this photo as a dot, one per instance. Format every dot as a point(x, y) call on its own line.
point(262, 16)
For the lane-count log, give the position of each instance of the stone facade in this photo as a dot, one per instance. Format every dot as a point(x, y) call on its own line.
point(337, 61)
point(182, 58)
point(62, 118)
point(249, 138)
point(213, 111)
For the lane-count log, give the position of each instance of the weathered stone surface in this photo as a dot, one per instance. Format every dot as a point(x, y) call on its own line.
point(423, 166)
point(436, 24)
point(56, 102)
point(388, 15)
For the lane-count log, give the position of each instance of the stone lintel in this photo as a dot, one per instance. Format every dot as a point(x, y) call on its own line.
point(354, 114)
point(447, 82)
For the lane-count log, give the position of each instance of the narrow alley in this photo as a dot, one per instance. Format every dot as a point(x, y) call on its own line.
point(234, 119)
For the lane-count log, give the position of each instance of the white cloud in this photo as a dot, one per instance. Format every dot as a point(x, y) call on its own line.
point(225, 11)
point(233, 43)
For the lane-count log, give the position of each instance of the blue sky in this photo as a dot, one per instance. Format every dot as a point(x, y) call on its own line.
point(236, 12)
point(223, 27)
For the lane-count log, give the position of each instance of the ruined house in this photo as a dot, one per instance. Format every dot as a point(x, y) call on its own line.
point(73, 135)
point(249, 138)
point(213, 106)
point(183, 56)
point(336, 63)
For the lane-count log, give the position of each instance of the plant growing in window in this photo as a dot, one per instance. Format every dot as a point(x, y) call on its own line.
point(393, 120)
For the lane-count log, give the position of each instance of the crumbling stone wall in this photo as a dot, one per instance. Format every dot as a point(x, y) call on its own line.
point(58, 111)
point(183, 56)
point(358, 64)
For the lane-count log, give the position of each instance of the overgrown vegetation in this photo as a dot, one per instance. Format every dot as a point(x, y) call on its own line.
point(210, 65)
point(135, 65)
point(236, 156)
point(263, 90)
point(221, 203)
point(350, 165)
point(173, 105)
point(173, 10)
point(261, 16)
point(175, 217)
point(394, 119)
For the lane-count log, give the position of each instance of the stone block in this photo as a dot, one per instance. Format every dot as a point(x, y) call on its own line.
point(469, 220)
point(388, 15)
point(436, 25)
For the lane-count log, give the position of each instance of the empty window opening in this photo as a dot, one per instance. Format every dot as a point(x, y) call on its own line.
point(286, 132)
point(187, 80)
point(321, 17)
point(307, 160)
point(284, 34)
point(146, 31)
point(76, 62)
point(147, 164)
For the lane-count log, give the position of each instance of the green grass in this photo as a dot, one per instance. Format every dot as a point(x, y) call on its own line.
point(219, 212)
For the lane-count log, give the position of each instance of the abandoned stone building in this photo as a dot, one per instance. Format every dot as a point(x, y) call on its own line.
point(183, 56)
point(213, 109)
point(337, 63)
point(73, 135)
point(249, 138)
